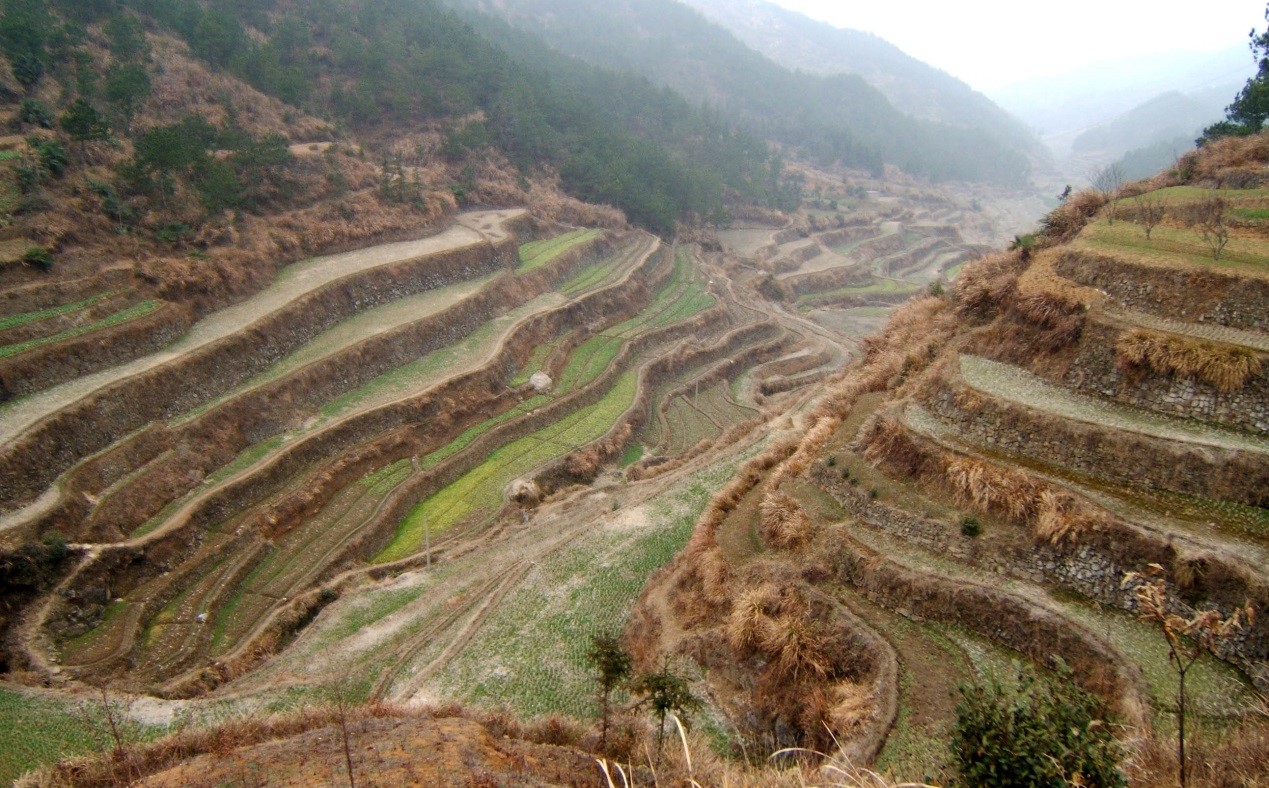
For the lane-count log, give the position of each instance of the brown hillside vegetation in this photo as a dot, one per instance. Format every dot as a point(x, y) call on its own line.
point(1076, 425)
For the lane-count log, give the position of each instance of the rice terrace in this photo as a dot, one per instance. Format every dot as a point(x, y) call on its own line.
point(354, 446)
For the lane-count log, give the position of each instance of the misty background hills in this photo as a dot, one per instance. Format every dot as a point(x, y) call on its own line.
point(835, 118)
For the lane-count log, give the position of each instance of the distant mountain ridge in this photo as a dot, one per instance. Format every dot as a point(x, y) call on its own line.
point(1165, 117)
point(839, 118)
point(914, 87)
point(1090, 96)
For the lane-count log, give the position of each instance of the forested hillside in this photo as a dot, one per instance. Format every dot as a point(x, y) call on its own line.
point(916, 88)
point(163, 154)
point(826, 118)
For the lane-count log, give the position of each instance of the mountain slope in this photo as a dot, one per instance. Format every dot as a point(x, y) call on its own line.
point(1162, 118)
point(837, 118)
point(798, 42)
point(1068, 103)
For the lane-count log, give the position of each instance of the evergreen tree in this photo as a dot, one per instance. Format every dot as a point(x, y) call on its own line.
point(1251, 106)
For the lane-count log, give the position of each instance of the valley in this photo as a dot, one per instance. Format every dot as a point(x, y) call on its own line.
point(437, 440)
point(564, 393)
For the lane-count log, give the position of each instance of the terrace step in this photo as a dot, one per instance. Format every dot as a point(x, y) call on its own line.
point(1010, 383)
point(271, 323)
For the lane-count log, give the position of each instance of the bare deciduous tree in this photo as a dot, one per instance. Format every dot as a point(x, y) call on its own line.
point(1209, 222)
point(1187, 638)
point(1150, 211)
point(1109, 181)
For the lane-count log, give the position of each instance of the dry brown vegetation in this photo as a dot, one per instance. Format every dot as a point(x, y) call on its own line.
point(1225, 367)
point(1229, 162)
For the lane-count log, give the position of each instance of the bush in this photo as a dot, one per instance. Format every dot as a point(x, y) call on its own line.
point(36, 113)
point(971, 527)
point(53, 156)
point(39, 257)
point(1033, 733)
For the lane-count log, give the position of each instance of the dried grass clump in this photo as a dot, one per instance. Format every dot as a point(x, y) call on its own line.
point(1225, 367)
point(715, 575)
point(798, 647)
point(852, 705)
point(884, 440)
point(1061, 516)
point(987, 284)
point(1236, 759)
point(1219, 159)
point(751, 615)
point(1069, 218)
point(784, 524)
point(992, 489)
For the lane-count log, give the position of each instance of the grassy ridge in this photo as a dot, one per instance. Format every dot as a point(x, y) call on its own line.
point(1170, 245)
point(878, 287)
point(39, 731)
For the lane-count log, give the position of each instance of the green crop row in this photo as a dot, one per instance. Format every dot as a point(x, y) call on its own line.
point(12, 321)
point(535, 363)
point(480, 490)
point(38, 731)
point(531, 655)
point(122, 316)
point(386, 478)
point(469, 435)
point(592, 275)
point(588, 361)
point(538, 253)
point(878, 287)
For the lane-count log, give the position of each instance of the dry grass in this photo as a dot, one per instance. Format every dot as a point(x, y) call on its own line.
point(1230, 759)
point(1228, 162)
point(1061, 516)
point(1053, 514)
point(1064, 221)
point(694, 763)
point(745, 628)
point(992, 489)
point(1225, 367)
point(784, 524)
point(798, 647)
point(987, 284)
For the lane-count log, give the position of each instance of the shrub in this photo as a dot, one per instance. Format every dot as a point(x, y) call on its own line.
point(971, 527)
point(1033, 733)
point(39, 257)
point(53, 156)
point(36, 113)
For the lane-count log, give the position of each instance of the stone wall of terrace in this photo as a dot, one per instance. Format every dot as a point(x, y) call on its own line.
point(1096, 373)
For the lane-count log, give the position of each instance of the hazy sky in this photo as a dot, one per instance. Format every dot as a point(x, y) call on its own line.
point(993, 43)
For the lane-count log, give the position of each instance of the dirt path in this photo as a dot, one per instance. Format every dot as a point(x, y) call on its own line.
point(1013, 384)
point(923, 423)
point(292, 282)
point(1212, 332)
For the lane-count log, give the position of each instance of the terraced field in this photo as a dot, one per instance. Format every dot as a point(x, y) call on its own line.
point(978, 490)
point(378, 498)
point(376, 442)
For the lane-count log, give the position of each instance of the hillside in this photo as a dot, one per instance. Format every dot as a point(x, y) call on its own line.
point(982, 485)
point(827, 119)
point(1061, 106)
point(367, 473)
point(366, 372)
point(1161, 119)
point(915, 88)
